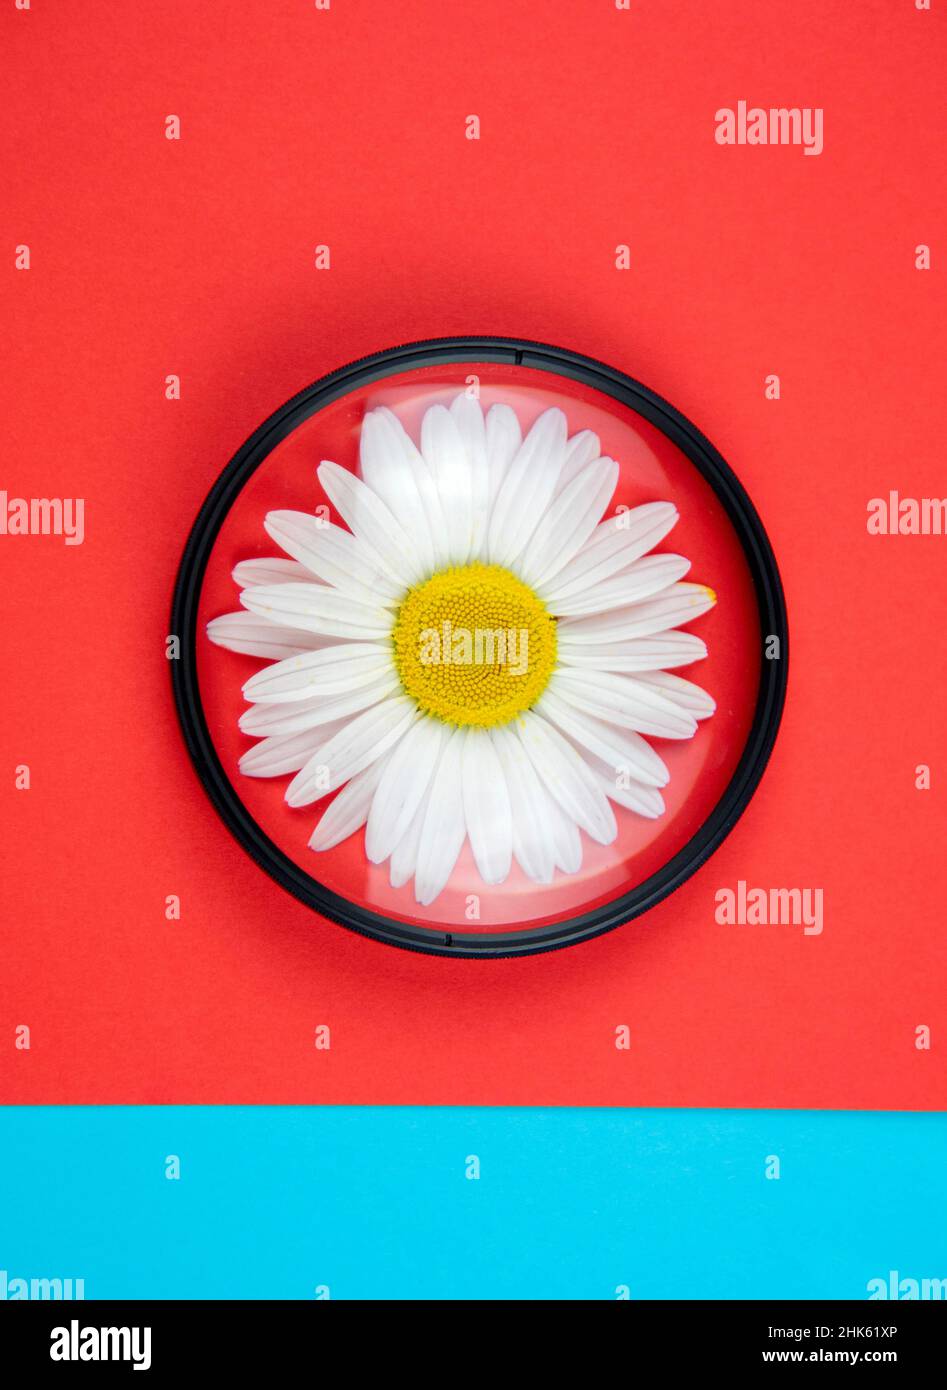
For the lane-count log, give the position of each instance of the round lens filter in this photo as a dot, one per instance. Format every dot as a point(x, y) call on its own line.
point(483, 647)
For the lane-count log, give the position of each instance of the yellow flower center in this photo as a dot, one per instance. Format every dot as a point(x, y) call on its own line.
point(474, 645)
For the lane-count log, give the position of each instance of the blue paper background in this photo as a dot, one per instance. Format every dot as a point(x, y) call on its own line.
point(374, 1203)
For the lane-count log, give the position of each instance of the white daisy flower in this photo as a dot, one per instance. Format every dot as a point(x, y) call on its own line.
point(479, 657)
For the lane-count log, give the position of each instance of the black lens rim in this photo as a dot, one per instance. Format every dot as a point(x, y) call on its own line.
point(769, 595)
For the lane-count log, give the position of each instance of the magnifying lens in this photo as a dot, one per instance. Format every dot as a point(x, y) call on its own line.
point(483, 647)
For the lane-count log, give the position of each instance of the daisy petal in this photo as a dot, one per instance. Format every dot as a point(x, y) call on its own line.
point(333, 554)
point(401, 790)
point(468, 418)
point(309, 714)
point(567, 777)
point(527, 488)
point(619, 749)
point(318, 608)
point(689, 696)
point(625, 791)
point(582, 449)
point(262, 721)
point(372, 522)
point(532, 825)
point(444, 452)
point(444, 830)
point(387, 468)
point(331, 671)
point(353, 747)
point(569, 522)
point(680, 604)
point(616, 543)
point(249, 573)
point(656, 653)
point(642, 580)
point(399, 439)
point(487, 812)
point(404, 858)
point(253, 636)
point(566, 840)
point(349, 809)
point(622, 700)
point(504, 438)
point(274, 757)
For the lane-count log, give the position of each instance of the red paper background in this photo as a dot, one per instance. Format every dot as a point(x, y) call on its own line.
point(302, 127)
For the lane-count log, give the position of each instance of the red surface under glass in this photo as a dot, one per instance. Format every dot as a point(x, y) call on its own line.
point(652, 469)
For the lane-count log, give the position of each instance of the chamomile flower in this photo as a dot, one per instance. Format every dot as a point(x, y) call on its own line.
point(478, 655)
